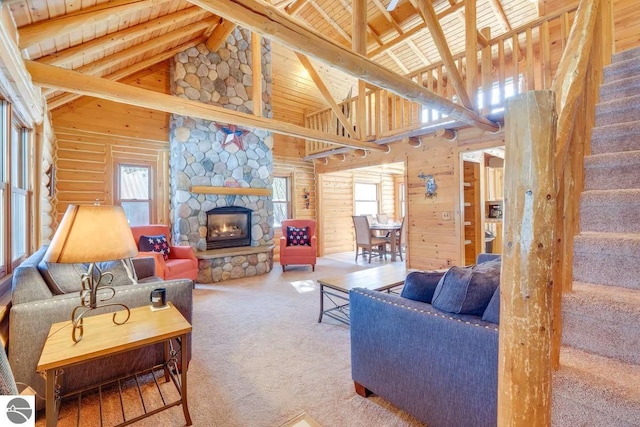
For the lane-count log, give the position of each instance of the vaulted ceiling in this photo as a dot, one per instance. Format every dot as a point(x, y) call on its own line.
point(114, 39)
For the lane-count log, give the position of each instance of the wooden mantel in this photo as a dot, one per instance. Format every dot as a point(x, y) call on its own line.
point(243, 191)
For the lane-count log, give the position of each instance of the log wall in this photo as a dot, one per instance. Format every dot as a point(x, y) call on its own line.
point(433, 224)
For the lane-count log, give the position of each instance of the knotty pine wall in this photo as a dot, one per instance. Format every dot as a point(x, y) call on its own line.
point(435, 235)
point(335, 206)
point(93, 136)
point(302, 175)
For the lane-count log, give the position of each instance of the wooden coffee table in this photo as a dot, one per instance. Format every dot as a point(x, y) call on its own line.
point(103, 338)
point(336, 289)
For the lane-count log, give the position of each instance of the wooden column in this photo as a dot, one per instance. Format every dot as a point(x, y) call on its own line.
point(359, 45)
point(256, 69)
point(471, 43)
point(524, 366)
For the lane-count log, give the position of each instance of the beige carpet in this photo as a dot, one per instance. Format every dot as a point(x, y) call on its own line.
point(260, 358)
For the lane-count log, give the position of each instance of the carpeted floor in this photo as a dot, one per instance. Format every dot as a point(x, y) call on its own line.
point(260, 358)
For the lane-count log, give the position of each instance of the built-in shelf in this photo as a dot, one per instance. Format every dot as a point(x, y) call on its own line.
point(243, 191)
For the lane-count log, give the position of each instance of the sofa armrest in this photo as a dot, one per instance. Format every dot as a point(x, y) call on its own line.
point(144, 266)
point(393, 339)
point(421, 285)
point(30, 323)
point(283, 243)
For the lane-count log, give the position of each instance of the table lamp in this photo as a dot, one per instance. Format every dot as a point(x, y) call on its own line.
point(90, 234)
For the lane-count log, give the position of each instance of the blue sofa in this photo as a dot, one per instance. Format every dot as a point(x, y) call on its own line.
point(440, 367)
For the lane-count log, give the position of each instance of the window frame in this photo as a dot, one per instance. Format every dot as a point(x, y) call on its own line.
point(377, 199)
point(151, 194)
point(21, 188)
point(287, 202)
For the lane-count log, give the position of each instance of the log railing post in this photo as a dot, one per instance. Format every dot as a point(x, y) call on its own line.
point(524, 365)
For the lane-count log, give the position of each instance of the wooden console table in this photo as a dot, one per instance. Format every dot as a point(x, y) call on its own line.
point(103, 338)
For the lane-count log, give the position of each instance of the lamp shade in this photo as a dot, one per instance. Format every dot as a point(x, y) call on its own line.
point(90, 233)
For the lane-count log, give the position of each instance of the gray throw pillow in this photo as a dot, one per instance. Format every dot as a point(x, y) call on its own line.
point(467, 290)
point(492, 313)
point(67, 278)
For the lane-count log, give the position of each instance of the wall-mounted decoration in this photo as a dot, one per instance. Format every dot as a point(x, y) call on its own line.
point(305, 196)
point(234, 136)
point(430, 185)
point(51, 184)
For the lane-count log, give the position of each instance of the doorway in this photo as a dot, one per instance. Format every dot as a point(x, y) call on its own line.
point(482, 201)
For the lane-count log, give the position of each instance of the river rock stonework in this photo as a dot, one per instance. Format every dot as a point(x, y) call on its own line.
point(206, 153)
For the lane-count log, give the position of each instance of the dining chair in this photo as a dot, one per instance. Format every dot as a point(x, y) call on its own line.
point(365, 241)
point(383, 218)
point(400, 239)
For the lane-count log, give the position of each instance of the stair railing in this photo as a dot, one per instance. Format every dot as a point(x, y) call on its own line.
point(513, 62)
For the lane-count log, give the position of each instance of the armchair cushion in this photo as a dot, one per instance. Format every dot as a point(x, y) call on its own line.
point(157, 243)
point(467, 290)
point(492, 313)
point(298, 236)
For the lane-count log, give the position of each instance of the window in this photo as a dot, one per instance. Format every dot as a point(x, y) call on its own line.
point(281, 199)
point(401, 202)
point(134, 193)
point(19, 192)
point(365, 199)
point(3, 186)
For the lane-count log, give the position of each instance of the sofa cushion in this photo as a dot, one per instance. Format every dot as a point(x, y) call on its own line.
point(157, 243)
point(467, 290)
point(67, 278)
point(420, 285)
point(492, 312)
point(298, 236)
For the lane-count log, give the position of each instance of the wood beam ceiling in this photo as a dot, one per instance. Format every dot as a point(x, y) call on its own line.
point(72, 81)
point(270, 22)
point(40, 31)
point(65, 98)
point(220, 35)
point(112, 40)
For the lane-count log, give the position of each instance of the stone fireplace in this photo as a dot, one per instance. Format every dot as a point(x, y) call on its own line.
point(228, 227)
point(207, 157)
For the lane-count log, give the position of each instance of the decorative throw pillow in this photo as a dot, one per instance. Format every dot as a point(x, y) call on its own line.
point(467, 290)
point(155, 244)
point(492, 313)
point(67, 278)
point(420, 285)
point(298, 236)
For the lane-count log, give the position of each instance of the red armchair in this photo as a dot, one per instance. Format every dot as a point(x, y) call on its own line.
point(291, 254)
point(182, 262)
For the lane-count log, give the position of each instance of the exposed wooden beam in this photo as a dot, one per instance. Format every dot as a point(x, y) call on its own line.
point(272, 23)
point(418, 52)
point(256, 73)
point(331, 21)
point(412, 32)
point(65, 98)
point(99, 66)
point(295, 6)
point(72, 81)
point(112, 40)
point(500, 14)
point(370, 30)
point(324, 90)
point(359, 45)
point(430, 18)
point(220, 35)
point(399, 63)
point(471, 47)
point(15, 82)
point(51, 28)
point(383, 10)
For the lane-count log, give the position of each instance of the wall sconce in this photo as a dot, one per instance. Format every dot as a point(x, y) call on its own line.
point(305, 196)
point(430, 185)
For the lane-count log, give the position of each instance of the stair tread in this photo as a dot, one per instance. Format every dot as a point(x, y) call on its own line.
point(630, 195)
point(600, 372)
point(611, 302)
point(621, 103)
point(613, 130)
point(615, 158)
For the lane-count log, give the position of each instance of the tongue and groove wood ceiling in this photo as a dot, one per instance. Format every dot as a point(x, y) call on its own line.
point(132, 35)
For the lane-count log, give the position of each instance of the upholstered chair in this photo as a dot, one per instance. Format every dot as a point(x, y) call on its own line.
point(298, 243)
point(365, 241)
point(172, 262)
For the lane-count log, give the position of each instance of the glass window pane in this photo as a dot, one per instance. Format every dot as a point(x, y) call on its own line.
point(280, 212)
point(366, 208)
point(134, 183)
point(366, 191)
point(137, 212)
point(280, 192)
point(18, 225)
point(2, 222)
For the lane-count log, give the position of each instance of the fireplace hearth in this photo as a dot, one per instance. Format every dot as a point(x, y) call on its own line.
point(228, 227)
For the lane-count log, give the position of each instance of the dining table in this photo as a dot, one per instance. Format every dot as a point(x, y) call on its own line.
point(393, 230)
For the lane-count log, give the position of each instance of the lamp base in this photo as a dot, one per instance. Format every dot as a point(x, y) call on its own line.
point(89, 300)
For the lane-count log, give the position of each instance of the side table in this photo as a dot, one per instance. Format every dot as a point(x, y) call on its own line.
point(103, 338)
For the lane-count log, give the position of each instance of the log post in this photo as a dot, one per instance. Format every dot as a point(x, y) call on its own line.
point(524, 364)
